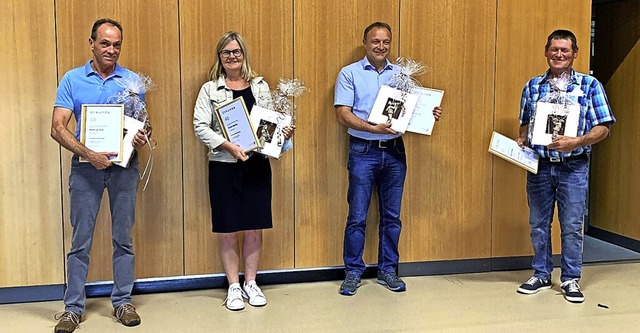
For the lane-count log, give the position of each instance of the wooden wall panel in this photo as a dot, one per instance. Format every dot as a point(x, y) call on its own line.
point(522, 32)
point(447, 199)
point(615, 172)
point(30, 206)
point(328, 36)
point(150, 46)
point(267, 28)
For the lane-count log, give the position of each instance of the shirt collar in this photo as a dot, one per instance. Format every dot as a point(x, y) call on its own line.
point(545, 77)
point(366, 65)
point(118, 71)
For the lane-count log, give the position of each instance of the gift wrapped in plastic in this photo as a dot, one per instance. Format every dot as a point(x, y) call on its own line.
point(274, 111)
point(556, 113)
point(136, 117)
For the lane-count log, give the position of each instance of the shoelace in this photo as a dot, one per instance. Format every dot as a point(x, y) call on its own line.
point(254, 289)
point(532, 280)
point(124, 309)
point(351, 279)
point(391, 277)
point(573, 286)
point(68, 316)
point(234, 293)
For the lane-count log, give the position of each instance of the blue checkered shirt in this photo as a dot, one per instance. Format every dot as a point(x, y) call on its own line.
point(594, 107)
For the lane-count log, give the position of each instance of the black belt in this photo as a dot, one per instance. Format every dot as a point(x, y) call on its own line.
point(555, 159)
point(379, 143)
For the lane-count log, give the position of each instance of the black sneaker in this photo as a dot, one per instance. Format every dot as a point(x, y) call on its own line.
point(571, 291)
point(533, 285)
point(391, 281)
point(350, 285)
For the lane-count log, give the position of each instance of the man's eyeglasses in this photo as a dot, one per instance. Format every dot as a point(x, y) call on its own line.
point(226, 53)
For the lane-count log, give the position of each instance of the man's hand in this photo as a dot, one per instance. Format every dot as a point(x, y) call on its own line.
point(437, 112)
point(384, 128)
point(101, 161)
point(563, 144)
point(140, 139)
point(520, 141)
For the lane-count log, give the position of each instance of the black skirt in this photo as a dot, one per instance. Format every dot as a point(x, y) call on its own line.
point(240, 195)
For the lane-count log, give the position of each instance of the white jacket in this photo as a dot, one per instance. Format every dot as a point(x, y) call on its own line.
point(206, 125)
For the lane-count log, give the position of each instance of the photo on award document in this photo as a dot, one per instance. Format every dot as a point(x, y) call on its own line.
point(236, 125)
point(422, 120)
point(393, 106)
point(269, 125)
point(102, 129)
point(554, 119)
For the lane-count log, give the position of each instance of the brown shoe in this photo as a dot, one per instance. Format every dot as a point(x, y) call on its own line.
point(68, 322)
point(126, 314)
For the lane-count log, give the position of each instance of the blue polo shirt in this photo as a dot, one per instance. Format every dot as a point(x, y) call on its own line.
point(594, 106)
point(83, 85)
point(357, 87)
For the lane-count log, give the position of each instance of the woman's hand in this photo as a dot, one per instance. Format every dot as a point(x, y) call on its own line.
point(288, 131)
point(234, 150)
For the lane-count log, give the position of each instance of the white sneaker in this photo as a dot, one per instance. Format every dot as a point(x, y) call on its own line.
point(254, 294)
point(235, 301)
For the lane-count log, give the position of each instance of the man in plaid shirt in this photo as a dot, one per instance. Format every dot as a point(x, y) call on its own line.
point(564, 166)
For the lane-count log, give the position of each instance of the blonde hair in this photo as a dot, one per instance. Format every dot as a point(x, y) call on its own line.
point(217, 70)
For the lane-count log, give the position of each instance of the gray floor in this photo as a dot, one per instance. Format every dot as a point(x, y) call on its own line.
point(596, 250)
point(482, 302)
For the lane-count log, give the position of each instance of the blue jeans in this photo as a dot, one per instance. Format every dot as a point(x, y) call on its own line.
point(564, 182)
point(86, 186)
point(384, 168)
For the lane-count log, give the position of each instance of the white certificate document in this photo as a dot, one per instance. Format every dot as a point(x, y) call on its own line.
point(552, 118)
point(423, 120)
point(269, 125)
point(391, 104)
point(509, 150)
point(236, 126)
point(131, 127)
point(101, 128)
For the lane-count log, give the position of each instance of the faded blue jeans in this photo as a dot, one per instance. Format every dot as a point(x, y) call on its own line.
point(565, 183)
point(86, 186)
point(384, 168)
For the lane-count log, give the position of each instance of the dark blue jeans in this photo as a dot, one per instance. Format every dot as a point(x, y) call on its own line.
point(384, 168)
point(86, 186)
point(565, 183)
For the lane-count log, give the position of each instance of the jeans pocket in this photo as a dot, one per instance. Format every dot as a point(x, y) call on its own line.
point(579, 165)
point(359, 148)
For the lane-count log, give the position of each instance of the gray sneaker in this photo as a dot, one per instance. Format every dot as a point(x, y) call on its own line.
point(350, 285)
point(391, 281)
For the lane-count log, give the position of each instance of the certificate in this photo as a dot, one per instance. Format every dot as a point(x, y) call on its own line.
point(554, 119)
point(101, 128)
point(394, 106)
point(509, 150)
point(269, 125)
point(422, 120)
point(236, 125)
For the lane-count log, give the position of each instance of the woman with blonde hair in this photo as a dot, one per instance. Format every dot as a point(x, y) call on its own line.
point(239, 182)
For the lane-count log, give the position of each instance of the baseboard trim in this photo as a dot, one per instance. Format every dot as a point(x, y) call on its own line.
point(610, 237)
point(213, 281)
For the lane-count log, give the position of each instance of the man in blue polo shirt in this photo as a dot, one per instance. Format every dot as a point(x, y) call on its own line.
point(376, 158)
point(94, 83)
point(564, 166)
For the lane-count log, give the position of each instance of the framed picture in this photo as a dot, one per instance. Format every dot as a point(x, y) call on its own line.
point(554, 119)
point(236, 124)
point(102, 129)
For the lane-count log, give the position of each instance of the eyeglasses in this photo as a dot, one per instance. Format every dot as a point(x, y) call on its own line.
point(226, 53)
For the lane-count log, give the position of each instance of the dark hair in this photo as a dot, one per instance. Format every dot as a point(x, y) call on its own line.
point(563, 34)
point(100, 22)
point(375, 25)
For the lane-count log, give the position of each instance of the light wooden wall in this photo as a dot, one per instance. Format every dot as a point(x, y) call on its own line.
point(459, 202)
point(30, 197)
point(523, 27)
point(615, 173)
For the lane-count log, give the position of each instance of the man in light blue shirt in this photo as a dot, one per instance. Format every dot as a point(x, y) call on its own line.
point(376, 158)
point(94, 83)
